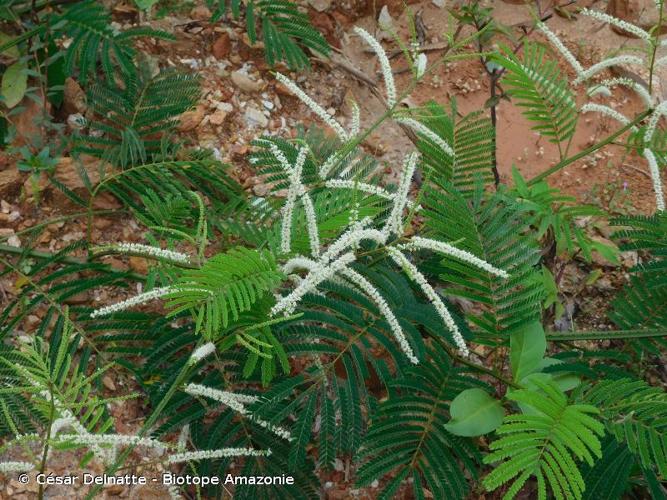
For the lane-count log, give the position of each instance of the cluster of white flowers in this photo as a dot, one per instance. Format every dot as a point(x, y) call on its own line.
point(350, 239)
point(606, 110)
point(313, 106)
point(605, 85)
point(395, 221)
point(183, 437)
point(384, 308)
point(619, 23)
point(355, 123)
point(387, 73)
point(560, 46)
point(421, 63)
point(420, 128)
point(365, 188)
point(115, 440)
point(296, 192)
point(660, 111)
point(237, 403)
point(417, 242)
point(65, 416)
point(151, 251)
point(655, 177)
point(16, 467)
point(607, 63)
point(201, 352)
point(142, 298)
point(212, 454)
point(174, 493)
point(432, 296)
point(320, 273)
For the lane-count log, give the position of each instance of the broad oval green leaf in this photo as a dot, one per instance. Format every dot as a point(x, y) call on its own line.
point(14, 84)
point(527, 348)
point(474, 413)
point(12, 51)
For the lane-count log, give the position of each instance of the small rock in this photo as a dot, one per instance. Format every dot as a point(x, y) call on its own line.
point(384, 19)
point(320, 5)
point(14, 241)
point(260, 190)
point(218, 117)
point(222, 46)
point(375, 483)
point(245, 83)
point(255, 118)
point(108, 383)
point(5, 207)
point(74, 98)
point(139, 265)
point(200, 13)
point(190, 120)
point(76, 121)
point(102, 223)
point(630, 259)
point(604, 284)
point(438, 3)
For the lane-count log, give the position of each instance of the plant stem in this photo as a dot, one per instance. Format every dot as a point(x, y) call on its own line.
point(606, 335)
point(655, 42)
point(45, 453)
point(568, 161)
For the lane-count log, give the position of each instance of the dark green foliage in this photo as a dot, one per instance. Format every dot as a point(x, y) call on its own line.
point(225, 285)
point(536, 84)
point(286, 31)
point(407, 437)
point(132, 123)
point(635, 413)
point(642, 303)
point(546, 442)
point(471, 138)
point(94, 40)
point(608, 478)
point(493, 229)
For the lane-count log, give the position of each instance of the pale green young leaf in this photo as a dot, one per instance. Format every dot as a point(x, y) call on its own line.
point(474, 413)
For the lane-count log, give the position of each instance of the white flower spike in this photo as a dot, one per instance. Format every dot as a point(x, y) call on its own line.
point(655, 177)
point(142, 298)
point(151, 251)
point(221, 453)
point(384, 308)
point(431, 295)
point(624, 25)
point(387, 74)
point(314, 107)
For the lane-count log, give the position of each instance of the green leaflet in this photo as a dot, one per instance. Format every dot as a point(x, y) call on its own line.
point(14, 84)
point(226, 285)
point(546, 444)
point(474, 413)
point(527, 348)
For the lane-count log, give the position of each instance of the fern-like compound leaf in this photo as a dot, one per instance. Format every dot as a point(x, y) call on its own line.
point(226, 285)
point(546, 443)
point(535, 82)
